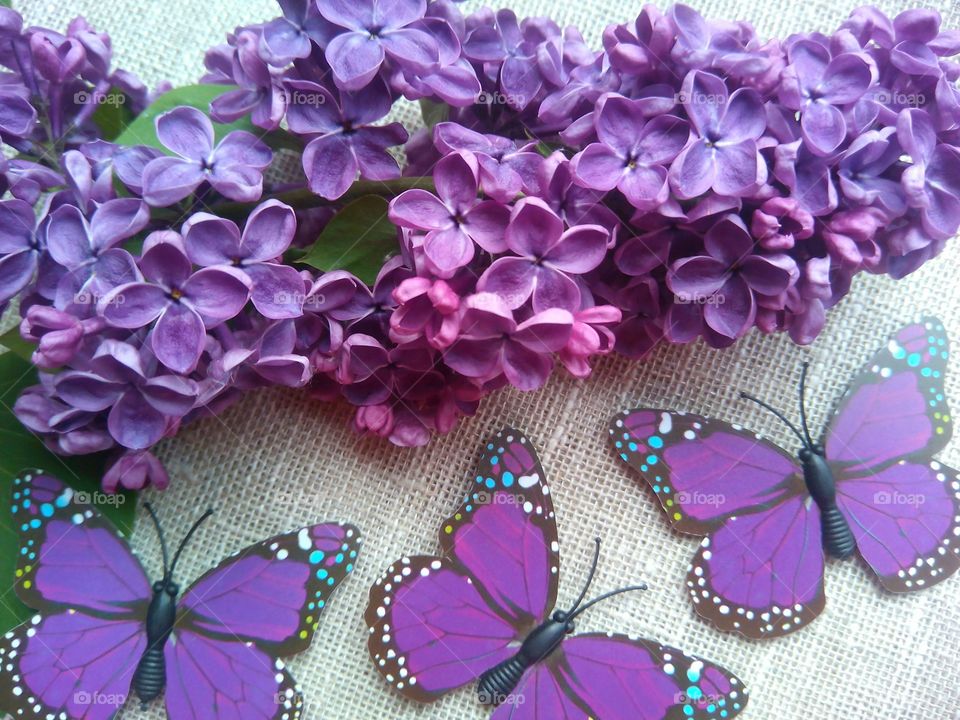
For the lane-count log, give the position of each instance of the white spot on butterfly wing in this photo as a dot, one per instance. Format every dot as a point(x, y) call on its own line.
point(528, 481)
point(666, 423)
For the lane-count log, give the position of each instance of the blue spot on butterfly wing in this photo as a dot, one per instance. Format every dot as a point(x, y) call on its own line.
point(655, 442)
point(507, 479)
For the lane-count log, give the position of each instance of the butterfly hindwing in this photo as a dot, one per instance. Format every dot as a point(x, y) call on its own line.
point(905, 518)
point(431, 629)
point(70, 554)
point(762, 574)
point(69, 665)
point(703, 470)
point(213, 678)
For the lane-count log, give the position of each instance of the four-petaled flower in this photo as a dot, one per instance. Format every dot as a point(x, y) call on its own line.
point(182, 302)
point(233, 167)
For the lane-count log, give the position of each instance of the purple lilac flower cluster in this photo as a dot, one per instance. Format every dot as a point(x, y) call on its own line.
point(686, 181)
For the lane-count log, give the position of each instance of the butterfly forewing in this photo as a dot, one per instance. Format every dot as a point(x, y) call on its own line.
point(70, 554)
point(703, 471)
point(504, 536)
point(896, 407)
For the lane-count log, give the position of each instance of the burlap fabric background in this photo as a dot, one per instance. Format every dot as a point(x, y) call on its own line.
point(278, 460)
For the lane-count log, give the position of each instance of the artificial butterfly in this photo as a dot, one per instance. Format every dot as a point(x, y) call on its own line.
point(870, 486)
point(483, 611)
point(102, 631)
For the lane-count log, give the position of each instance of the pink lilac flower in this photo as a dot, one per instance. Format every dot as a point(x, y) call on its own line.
point(345, 143)
point(726, 280)
point(545, 259)
point(375, 30)
point(233, 167)
point(177, 302)
point(143, 403)
point(633, 152)
point(454, 219)
point(725, 157)
point(276, 289)
point(492, 342)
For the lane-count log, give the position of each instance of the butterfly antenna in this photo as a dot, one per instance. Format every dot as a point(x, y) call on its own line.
point(593, 571)
point(803, 403)
point(163, 540)
point(186, 539)
point(607, 596)
point(777, 413)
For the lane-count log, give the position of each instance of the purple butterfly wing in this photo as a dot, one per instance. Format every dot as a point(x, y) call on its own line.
point(541, 695)
point(437, 623)
point(896, 407)
point(217, 679)
point(703, 471)
point(906, 521)
point(615, 677)
point(77, 657)
point(272, 593)
point(258, 605)
point(510, 511)
point(762, 574)
point(69, 665)
point(70, 554)
point(431, 630)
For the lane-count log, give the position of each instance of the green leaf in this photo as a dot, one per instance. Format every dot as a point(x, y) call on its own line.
point(12, 341)
point(142, 131)
point(22, 450)
point(434, 112)
point(358, 239)
point(6, 3)
point(113, 114)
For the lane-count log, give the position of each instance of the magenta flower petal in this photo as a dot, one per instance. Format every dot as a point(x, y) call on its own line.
point(534, 228)
point(331, 165)
point(739, 169)
point(412, 46)
point(823, 127)
point(645, 186)
point(474, 358)
point(68, 237)
point(694, 171)
point(770, 275)
point(134, 423)
point(600, 167)
point(696, 278)
point(580, 250)
point(187, 132)
point(733, 311)
point(421, 210)
point(554, 289)
point(219, 293)
point(486, 223)
point(744, 118)
point(546, 332)
point(277, 290)
point(167, 180)
point(525, 369)
point(133, 306)
point(355, 58)
point(170, 394)
point(512, 279)
point(449, 249)
point(268, 232)
point(178, 338)
point(87, 391)
point(210, 240)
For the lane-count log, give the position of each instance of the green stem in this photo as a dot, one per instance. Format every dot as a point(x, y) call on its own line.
point(304, 199)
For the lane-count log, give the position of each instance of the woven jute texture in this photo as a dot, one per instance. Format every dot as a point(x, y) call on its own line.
point(278, 460)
